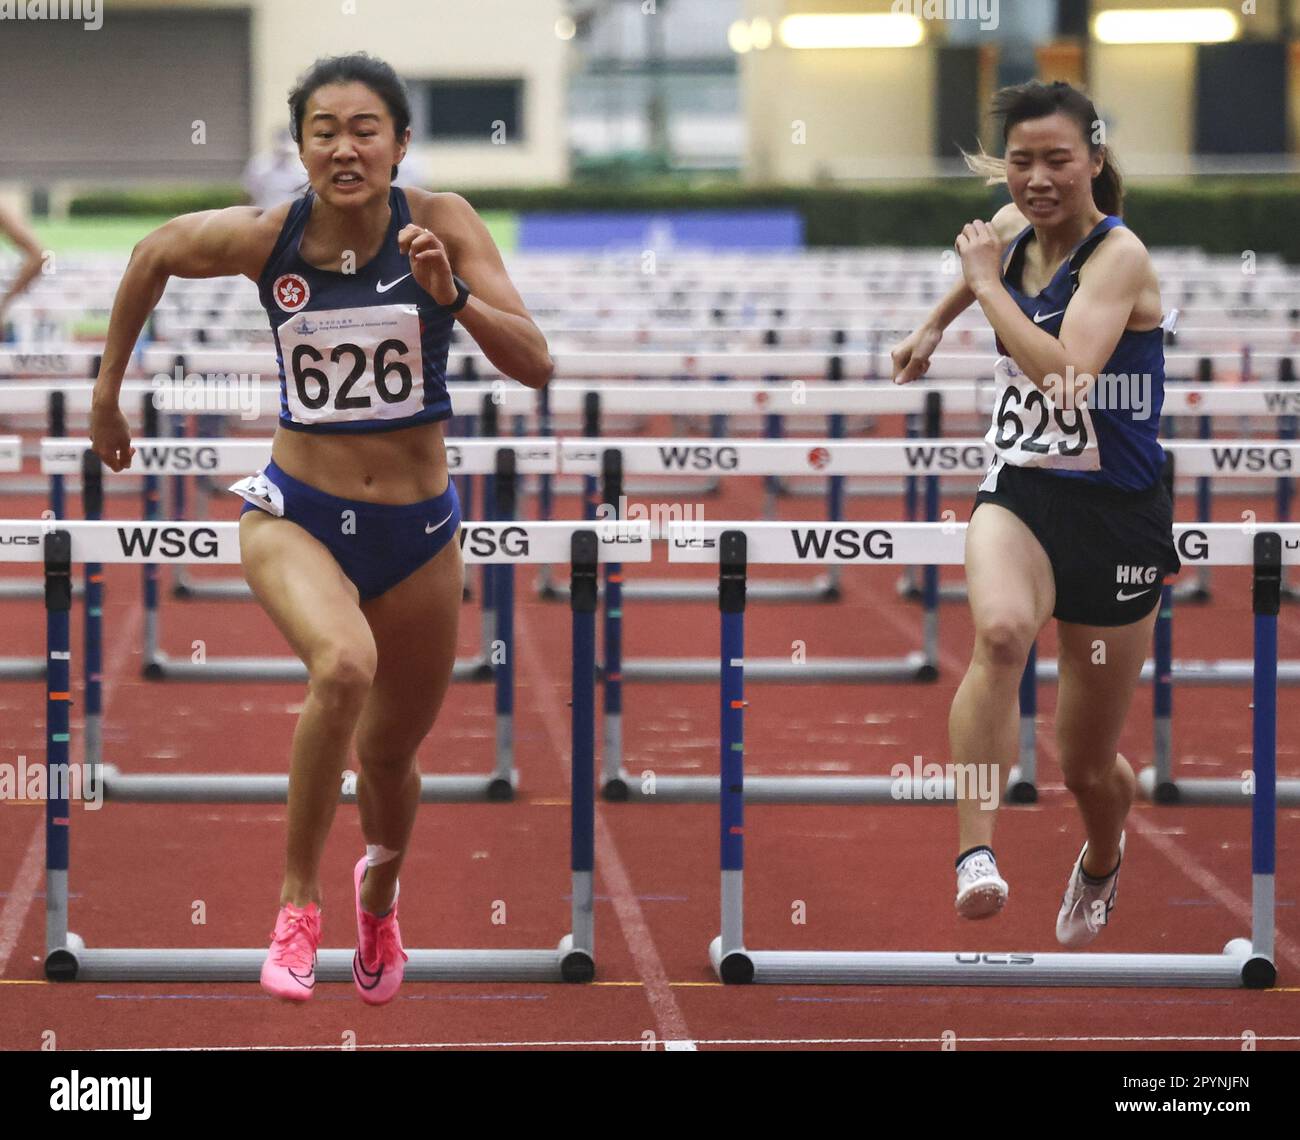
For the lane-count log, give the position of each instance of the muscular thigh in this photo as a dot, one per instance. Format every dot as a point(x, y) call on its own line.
point(1008, 575)
point(301, 588)
point(415, 626)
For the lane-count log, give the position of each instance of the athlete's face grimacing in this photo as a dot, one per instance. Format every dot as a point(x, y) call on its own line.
point(348, 145)
point(1050, 169)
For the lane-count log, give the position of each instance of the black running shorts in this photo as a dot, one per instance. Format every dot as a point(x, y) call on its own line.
point(1110, 549)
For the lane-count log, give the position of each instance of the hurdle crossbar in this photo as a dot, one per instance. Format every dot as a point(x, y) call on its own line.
point(867, 544)
point(69, 958)
point(1244, 962)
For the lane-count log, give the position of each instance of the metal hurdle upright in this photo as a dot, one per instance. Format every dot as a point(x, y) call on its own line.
point(1243, 962)
point(69, 958)
point(1157, 781)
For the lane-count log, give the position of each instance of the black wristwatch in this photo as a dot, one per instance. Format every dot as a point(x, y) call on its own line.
point(462, 295)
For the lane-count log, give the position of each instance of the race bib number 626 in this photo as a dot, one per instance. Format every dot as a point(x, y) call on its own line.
point(353, 364)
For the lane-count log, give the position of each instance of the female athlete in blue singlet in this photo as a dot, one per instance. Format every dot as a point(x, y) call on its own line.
point(348, 536)
point(1072, 520)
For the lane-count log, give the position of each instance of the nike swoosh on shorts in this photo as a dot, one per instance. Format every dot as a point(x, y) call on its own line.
point(430, 529)
point(1120, 596)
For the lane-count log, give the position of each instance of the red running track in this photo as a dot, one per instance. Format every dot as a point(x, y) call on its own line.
point(868, 877)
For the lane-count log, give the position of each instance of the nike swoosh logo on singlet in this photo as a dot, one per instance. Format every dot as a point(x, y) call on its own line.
point(380, 287)
point(430, 529)
point(1039, 318)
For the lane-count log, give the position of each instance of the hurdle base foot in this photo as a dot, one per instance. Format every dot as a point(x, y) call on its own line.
point(1258, 974)
point(735, 968)
point(182, 590)
point(152, 671)
point(481, 671)
point(501, 789)
point(1257, 971)
point(926, 673)
point(62, 963)
point(1158, 791)
point(1166, 793)
point(1022, 792)
point(615, 791)
point(576, 965)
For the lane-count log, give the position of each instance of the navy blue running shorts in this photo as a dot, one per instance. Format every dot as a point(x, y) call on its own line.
point(1110, 549)
point(377, 545)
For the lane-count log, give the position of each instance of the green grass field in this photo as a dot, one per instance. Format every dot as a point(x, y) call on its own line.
point(118, 235)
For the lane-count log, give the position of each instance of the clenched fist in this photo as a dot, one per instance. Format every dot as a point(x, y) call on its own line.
point(430, 265)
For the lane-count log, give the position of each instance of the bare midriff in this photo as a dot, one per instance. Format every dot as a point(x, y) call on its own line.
point(394, 467)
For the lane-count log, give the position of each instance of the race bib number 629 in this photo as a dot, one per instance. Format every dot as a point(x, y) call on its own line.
point(1029, 430)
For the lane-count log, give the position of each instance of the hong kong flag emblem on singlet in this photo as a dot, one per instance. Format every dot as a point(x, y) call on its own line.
point(290, 292)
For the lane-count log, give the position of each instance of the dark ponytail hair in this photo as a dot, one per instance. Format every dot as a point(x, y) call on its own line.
point(1035, 100)
point(355, 68)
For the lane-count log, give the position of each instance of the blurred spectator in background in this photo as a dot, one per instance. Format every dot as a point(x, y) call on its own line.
point(276, 175)
point(18, 232)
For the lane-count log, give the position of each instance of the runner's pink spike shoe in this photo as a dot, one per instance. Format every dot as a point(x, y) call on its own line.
point(289, 971)
point(380, 961)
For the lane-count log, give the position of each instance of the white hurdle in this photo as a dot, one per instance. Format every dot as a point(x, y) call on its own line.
point(56, 545)
point(733, 547)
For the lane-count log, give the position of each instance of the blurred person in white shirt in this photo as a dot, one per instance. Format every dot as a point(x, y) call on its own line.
point(276, 175)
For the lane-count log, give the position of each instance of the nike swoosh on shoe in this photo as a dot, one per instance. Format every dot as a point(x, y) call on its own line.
point(357, 964)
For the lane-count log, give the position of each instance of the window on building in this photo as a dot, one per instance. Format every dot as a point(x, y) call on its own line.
point(469, 110)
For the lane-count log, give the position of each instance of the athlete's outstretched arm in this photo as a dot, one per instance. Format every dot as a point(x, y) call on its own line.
point(18, 232)
point(214, 243)
point(495, 316)
point(1063, 368)
point(911, 357)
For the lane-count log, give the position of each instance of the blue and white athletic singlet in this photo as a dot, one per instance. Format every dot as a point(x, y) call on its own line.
point(358, 352)
point(1111, 437)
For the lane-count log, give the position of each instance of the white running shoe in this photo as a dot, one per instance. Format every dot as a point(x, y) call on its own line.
point(981, 891)
point(1086, 906)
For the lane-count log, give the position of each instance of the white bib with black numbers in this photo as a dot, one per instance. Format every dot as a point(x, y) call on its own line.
point(353, 364)
point(1029, 430)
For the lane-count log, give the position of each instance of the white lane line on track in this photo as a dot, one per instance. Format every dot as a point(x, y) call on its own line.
point(28, 879)
point(21, 893)
point(639, 1043)
point(636, 932)
point(1177, 854)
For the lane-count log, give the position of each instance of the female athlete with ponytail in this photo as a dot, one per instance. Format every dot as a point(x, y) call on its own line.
point(1072, 520)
